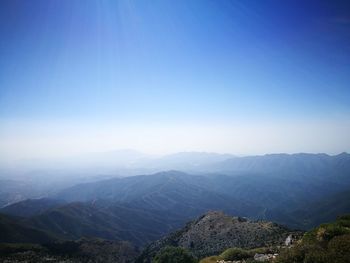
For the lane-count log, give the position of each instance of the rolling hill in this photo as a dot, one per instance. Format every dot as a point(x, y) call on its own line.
point(31, 207)
point(172, 191)
point(104, 220)
point(13, 231)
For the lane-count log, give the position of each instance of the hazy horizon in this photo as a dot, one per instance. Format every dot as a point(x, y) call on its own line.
point(116, 157)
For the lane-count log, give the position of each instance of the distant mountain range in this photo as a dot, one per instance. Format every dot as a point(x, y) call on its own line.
point(43, 178)
point(172, 191)
point(261, 187)
point(299, 191)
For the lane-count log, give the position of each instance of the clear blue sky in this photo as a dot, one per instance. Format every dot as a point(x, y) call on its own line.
point(81, 64)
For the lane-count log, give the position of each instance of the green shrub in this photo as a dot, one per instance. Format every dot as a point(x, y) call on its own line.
point(235, 254)
point(174, 255)
point(344, 220)
point(329, 243)
point(261, 250)
point(344, 217)
point(333, 230)
point(212, 259)
point(316, 256)
point(339, 248)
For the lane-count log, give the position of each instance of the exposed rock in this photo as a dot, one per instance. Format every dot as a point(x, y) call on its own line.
point(264, 257)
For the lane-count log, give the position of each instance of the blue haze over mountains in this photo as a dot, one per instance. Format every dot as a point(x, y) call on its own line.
point(298, 190)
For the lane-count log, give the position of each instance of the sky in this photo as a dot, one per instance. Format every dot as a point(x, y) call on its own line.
point(243, 77)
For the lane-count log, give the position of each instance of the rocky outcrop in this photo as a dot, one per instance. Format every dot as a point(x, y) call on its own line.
point(215, 231)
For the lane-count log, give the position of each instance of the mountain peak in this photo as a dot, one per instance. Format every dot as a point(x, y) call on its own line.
point(216, 216)
point(216, 231)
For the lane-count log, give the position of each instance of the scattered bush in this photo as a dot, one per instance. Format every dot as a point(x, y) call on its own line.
point(235, 254)
point(174, 255)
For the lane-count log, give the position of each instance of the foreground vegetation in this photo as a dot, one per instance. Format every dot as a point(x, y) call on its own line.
point(328, 243)
point(174, 255)
point(80, 251)
point(324, 244)
point(236, 254)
